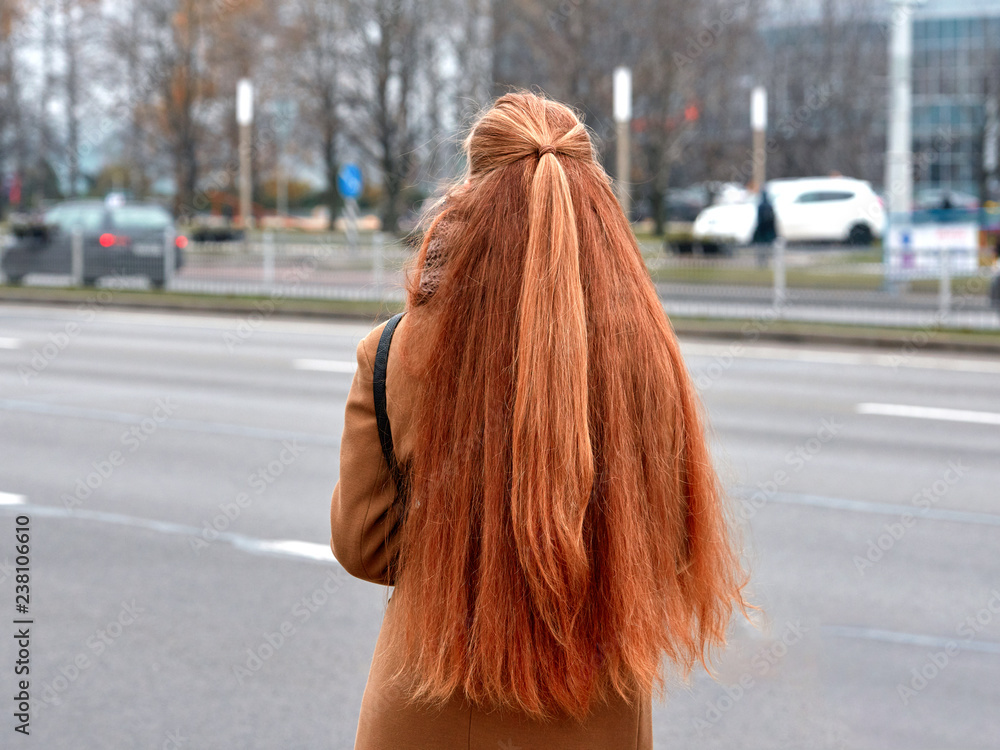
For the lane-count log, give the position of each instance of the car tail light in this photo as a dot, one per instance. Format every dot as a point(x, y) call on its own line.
point(181, 241)
point(113, 240)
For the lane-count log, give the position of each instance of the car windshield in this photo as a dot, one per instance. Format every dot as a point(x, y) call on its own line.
point(140, 218)
point(69, 217)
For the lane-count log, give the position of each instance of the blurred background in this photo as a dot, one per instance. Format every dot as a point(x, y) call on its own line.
point(140, 96)
point(313, 131)
point(206, 204)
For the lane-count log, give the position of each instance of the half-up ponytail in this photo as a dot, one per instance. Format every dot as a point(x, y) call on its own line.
point(563, 529)
point(552, 458)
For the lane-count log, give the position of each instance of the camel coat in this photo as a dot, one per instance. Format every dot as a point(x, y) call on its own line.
point(358, 519)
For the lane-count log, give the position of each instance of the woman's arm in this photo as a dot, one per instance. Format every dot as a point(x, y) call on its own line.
point(362, 516)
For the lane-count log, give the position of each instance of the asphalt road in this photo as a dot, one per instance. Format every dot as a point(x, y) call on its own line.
point(176, 471)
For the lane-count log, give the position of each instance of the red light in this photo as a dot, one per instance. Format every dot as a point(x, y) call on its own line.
point(181, 241)
point(107, 240)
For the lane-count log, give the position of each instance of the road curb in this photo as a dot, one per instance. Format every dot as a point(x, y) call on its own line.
point(923, 338)
point(372, 311)
point(201, 303)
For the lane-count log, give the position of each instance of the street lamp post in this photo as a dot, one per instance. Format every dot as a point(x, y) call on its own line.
point(899, 158)
point(623, 126)
point(758, 123)
point(244, 118)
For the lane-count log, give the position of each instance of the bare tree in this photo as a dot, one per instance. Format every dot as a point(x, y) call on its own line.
point(13, 140)
point(71, 12)
point(242, 41)
point(382, 100)
point(471, 46)
point(316, 40)
point(128, 36)
point(687, 88)
point(178, 86)
point(568, 50)
point(682, 54)
point(664, 85)
point(721, 56)
point(47, 145)
point(822, 119)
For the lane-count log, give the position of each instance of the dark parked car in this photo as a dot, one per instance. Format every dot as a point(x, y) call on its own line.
point(126, 239)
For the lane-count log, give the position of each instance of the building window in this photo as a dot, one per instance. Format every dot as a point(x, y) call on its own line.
point(933, 32)
point(964, 31)
point(949, 80)
point(949, 31)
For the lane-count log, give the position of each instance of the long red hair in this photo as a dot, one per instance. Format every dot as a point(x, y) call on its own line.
point(563, 527)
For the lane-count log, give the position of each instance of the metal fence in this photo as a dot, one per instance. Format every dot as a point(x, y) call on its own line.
point(323, 266)
point(829, 284)
point(320, 266)
point(832, 284)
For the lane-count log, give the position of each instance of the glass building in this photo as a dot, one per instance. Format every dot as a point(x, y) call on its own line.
point(956, 84)
point(956, 89)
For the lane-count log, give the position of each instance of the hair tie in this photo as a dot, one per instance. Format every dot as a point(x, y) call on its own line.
point(549, 149)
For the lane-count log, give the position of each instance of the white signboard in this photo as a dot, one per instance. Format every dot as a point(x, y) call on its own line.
point(244, 102)
point(918, 249)
point(623, 94)
point(758, 108)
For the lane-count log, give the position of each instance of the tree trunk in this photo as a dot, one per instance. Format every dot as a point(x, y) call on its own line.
point(659, 214)
point(661, 184)
point(388, 125)
point(135, 178)
point(392, 186)
point(330, 166)
point(48, 84)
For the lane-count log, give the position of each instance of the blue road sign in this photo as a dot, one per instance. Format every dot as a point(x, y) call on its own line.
point(349, 181)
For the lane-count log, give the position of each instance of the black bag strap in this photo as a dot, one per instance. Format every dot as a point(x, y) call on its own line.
point(378, 383)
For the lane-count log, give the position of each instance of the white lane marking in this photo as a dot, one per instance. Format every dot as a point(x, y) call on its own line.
point(6, 343)
point(324, 365)
point(929, 412)
point(9, 498)
point(815, 356)
point(252, 545)
point(882, 509)
point(295, 548)
point(173, 423)
point(911, 639)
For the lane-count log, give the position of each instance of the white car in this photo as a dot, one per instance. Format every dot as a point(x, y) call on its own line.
point(811, 209)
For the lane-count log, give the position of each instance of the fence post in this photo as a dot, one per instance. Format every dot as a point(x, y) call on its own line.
point(76, 257)
point(944, 298)
point(169, 257)
point(780, 284)
point(351, 224)
point(269, 258)
point(378, 262)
